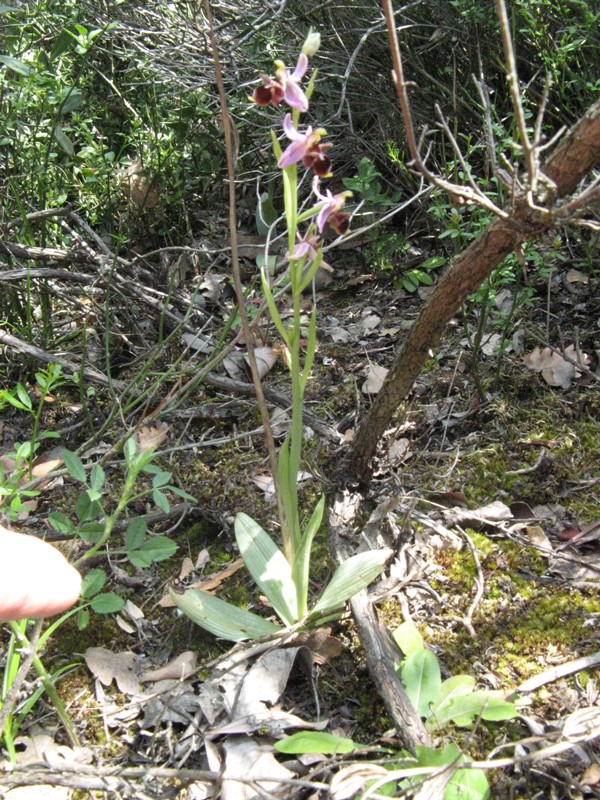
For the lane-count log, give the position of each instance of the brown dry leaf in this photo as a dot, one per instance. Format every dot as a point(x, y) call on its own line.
point(323, 646)
point(108, 666)
point(368, 323)
point(43, 468)
point(591, 777)
point(576, 276)
point(247, 760)
point(199, 343)
point(375, 378)
point(348, 781)
point(556, 371)
point(398, 451)
point(178, 669)
point(478, 517)
point(538, 539)
point(207, 584)
point(151, 436)
point(266, 358)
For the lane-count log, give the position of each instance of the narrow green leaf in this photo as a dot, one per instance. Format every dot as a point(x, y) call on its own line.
point(301, 567)
point(63, 140)
point(420, 674)
point(74, 466)
point(180, 493)
point(268, 566)
point(273, 311)
point(408, 638)
point(350, 577)
point(316, 742)
point(220, 618)
point(23, 396)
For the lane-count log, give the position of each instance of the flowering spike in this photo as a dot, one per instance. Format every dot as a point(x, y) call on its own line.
point(311, 43)
point(330, 209)
point(305, 147)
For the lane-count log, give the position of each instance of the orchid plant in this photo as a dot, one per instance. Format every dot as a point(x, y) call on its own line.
point(283, 575)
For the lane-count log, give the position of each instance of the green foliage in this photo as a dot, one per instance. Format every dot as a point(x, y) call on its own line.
point(13, 493)
point(454, 700)
point(94, 523)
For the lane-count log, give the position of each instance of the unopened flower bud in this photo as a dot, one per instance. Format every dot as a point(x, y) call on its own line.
point(312, 43)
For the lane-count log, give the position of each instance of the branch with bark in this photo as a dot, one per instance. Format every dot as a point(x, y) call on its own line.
point(542, 196)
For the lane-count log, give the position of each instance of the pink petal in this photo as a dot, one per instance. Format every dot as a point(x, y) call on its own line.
point(295, 97)
point(292, 154)
point(291, 132)
point(322, 216)
point(301, 68)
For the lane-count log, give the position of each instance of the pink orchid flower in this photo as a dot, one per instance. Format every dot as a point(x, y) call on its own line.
point(330, 209)
point(285, 86)
point(306, 147)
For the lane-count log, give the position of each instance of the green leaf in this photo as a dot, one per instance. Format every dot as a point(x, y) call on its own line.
point(129, 450)
point(456, 686)
point(420, 674)
point(301, 568)
point(74, 466)
point(467, 784)
point(489, 705)
point(107, 603)
point(72, 100)
point(93, 581)
point(83, 619)
point(97, 478)
point(87, 508)
point(91, 532)
point(136, 533)
point(268, 566)
point(161, 500)
point(161, 478)
point(220, 618)
point(15, 65)
point(408, 638)
point(265, 214)
point(180, 493)
point(157, 548)
point(316, 742)
point(350, 577)
point(61, 523)
point(63, 140)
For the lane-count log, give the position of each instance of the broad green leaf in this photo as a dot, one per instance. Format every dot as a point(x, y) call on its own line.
point(63, 140)
point(316, 742)
point(220, 618)
point(97, 478)
point(268, 566)
point(266, 214)
point(157, 548)
point(91, 532)
point(129, 449)
point(74, 466)
point(456, 686)
point(408, 638)
point(72, 100)
point(93, 581)
point(489, 705)
point(467, 784)
point(61, 523)
point(161, 478)
point(301, 568)
point(15, 65)
point(107, 603)
point(349, 578)
point(86, 508)
point(420, 674)
point(136, 533)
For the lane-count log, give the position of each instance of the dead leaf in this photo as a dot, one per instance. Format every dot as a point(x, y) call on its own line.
point(375, 378)
point(556, 371)
point(149, 437)
point(398, 451)
point(349, 781)
point(199, 343)
point(478, 517)
point(108, 666)
point(246, 760)
point(207, 584)
point(266, 358)
point(538, 539)
point(576, 276)
point(368, 323)
point(591, 777)
point(178, 669)
point(323, 646)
